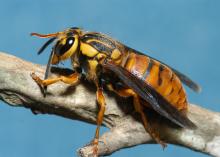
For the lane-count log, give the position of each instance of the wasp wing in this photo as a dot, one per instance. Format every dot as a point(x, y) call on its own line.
point(150, 95)
point(187, 81)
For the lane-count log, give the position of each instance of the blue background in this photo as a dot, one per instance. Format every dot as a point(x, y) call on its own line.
point(184, 34)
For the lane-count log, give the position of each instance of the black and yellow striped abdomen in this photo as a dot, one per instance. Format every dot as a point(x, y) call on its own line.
point(159, 76)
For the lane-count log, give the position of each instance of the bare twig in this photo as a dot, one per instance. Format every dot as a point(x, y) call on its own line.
point(18, 89)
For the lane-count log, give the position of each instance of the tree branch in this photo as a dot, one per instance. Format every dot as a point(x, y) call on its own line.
point(18, 89)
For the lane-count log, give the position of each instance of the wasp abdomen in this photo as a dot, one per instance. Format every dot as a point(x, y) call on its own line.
point(160, 77)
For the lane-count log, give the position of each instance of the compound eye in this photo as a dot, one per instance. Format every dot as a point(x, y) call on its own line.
point(70, 41)
point(61, 49)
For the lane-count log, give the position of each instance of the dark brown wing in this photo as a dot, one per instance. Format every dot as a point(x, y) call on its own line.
point(187, 81)
point(150, 95)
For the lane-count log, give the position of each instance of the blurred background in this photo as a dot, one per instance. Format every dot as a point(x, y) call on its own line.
point(184, 34)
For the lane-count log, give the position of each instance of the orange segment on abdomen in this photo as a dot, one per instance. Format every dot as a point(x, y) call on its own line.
point(160, 77)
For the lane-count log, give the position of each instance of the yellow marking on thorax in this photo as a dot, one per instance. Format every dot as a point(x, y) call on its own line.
point(130, 62)
point(101, 56)
point(88, 50)
point(91, 40)
point(115, 54)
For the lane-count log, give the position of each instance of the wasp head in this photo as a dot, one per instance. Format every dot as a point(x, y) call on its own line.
point(66, 44)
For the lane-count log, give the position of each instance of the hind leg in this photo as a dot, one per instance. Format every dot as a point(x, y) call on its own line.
point(139, 109)
point(147, 126)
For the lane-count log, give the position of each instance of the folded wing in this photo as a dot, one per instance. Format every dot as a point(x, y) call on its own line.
point(150, 95)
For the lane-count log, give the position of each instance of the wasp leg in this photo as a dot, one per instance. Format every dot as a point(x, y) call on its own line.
point(70, 79)
point(101, 102)
point(139, 108)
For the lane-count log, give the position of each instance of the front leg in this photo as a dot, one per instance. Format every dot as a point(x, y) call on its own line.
point(70, 79)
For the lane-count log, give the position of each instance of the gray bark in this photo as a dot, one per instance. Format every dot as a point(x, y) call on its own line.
point(79, 102)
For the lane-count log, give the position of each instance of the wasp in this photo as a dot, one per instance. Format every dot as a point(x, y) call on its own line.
point(129, 73)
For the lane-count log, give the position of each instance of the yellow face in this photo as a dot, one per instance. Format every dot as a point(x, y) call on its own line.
point(65, 47)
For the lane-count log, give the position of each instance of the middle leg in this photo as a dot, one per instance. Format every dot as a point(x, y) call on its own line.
point(101, 103)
